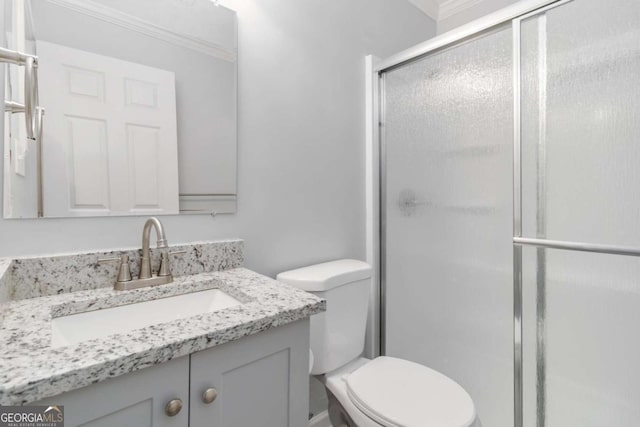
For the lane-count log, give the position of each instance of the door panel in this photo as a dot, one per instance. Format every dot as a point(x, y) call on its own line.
point(88, 165)
point(261, 380)
point(144, 166)
point(580, 177)
point(581, 103)
point(448, 138)
point(591, 344)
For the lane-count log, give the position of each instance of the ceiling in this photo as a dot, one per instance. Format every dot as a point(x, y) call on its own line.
point(441, 9)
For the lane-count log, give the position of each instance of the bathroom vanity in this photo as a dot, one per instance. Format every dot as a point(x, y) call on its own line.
point(259, 380)
point(238, 356)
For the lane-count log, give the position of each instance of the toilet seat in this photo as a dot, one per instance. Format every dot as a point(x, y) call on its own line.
point(398, 393)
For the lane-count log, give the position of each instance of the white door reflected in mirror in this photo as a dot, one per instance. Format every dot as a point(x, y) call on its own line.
point(111, 139)
point(140, 102)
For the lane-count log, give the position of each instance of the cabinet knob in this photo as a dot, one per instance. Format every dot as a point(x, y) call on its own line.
point(209, 395)
point(173, 407)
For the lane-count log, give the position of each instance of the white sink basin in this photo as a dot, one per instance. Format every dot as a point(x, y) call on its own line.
point(80, 327)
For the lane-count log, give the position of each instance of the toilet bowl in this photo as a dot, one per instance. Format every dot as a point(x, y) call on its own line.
point(385, 391)
point(393, 392)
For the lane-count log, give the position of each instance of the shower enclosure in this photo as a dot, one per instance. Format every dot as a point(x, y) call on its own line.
point(510, 175)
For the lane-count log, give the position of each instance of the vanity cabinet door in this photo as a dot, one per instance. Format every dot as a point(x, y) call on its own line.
point(137, 399)
point(261, 380)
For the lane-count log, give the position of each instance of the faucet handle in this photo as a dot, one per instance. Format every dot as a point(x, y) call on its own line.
point(165, 269)
point(124, 274)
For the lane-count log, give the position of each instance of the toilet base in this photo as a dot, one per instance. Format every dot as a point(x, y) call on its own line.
point(342, 412)
point(337, 415)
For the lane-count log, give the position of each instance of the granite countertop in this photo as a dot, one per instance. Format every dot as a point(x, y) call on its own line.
point(31, 369)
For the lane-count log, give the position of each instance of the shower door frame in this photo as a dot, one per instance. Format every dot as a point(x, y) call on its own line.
point(513, 14)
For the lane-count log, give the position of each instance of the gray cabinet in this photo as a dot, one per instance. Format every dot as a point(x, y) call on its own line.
point(260, 380)
point(137, 399)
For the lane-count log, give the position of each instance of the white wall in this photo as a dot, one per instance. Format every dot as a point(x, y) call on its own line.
point(474, 12)
point(301, 138)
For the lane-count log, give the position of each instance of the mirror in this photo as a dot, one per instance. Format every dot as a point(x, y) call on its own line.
point(138, 106)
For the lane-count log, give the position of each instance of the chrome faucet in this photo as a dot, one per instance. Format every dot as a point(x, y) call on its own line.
point(146, 276)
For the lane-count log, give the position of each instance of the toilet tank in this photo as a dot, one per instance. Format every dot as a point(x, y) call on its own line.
point(337, 335)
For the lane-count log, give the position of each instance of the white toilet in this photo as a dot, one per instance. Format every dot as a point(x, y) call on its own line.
point(385, 391)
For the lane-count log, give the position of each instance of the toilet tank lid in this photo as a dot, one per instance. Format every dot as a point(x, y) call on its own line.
point(325, 276)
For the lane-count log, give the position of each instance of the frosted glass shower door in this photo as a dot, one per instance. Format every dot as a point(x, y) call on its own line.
point(580, 64)
point(447, 145)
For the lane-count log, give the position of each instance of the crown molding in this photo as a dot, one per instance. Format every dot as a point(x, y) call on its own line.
point(130, 22)
point(451, 7)
point(429, 7)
